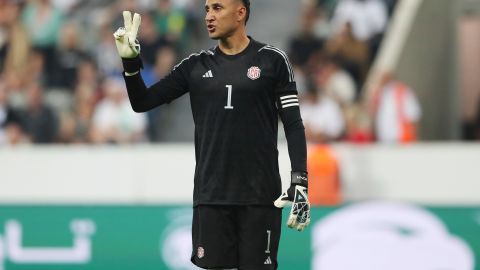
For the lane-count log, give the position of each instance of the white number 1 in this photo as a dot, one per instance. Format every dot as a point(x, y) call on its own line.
point(229, 100)
point(268, 243)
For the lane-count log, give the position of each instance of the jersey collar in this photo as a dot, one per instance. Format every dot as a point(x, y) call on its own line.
point(235, 56)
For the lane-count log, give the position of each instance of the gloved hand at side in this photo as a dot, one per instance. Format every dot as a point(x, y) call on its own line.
point(297, 196)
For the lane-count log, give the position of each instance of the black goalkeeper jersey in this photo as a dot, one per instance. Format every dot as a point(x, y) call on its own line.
point(236, 101)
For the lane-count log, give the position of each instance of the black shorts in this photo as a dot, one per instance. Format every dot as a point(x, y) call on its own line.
point(243, 237)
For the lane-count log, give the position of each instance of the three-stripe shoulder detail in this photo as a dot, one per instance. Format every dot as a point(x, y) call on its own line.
point(291, 75)
point(289, 101)
point(208, 52)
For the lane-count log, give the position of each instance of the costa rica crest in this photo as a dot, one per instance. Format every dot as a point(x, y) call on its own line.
point(254, 72)
point(200, 252)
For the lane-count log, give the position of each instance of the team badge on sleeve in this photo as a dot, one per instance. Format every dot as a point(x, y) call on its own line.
point(254, 72)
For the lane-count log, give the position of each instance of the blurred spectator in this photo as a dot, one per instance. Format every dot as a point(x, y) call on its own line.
point(87, 74)
point(10, 124)
point(114, 120)
point(115, 12)
point(14, 51)
point(76, 123)
point(131, 5)
point(358, 124)
point(170, 22)
point(322, 117)
point(151, 41)
point(15, 85)
point(39, 120)
point(194, 29)
point(336, 82)
point(368, 17)
point(51, 40)
point(327, 5)
point(109, 64)
point(75, 126)
point(46, 45)
point(396, 111)
point(68, 55)
point(66, 6)
point(146, 4)
point(43, 22)
point(352, 53)
point(305, 43)
point(36, 67)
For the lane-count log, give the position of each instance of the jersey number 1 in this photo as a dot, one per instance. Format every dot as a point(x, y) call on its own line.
point(229, 99)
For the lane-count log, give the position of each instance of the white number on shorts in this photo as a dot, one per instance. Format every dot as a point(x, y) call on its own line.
point(268, 241)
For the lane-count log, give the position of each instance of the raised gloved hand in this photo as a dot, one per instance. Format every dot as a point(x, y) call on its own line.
point(297, 196)
point(126, 37)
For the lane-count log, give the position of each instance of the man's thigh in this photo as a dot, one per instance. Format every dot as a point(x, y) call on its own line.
point(229, 237)
point(259, 237)
point(214, 237)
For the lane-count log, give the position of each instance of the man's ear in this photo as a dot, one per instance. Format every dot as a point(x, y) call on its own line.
point(241, 13)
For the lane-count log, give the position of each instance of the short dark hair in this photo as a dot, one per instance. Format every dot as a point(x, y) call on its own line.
point(246, 3)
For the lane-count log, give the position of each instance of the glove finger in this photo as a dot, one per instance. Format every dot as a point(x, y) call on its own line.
point(300, 227)
point(119, 34)
point(137, 20)
point(282, 201)
point(134, 45)
point(127, 20)
point(292, 221)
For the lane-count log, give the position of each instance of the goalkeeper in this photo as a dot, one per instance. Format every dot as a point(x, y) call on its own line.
point(237, 90)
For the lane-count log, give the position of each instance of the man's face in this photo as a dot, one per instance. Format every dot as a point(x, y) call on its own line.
point(223, 17)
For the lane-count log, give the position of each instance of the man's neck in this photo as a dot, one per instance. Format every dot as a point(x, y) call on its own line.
point(234, 44)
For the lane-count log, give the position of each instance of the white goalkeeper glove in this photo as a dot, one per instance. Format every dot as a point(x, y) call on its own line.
point(297, 196)
point(126, 37)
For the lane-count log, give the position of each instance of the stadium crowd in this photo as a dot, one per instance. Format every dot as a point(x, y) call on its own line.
point(60, 74)
point(332, 55)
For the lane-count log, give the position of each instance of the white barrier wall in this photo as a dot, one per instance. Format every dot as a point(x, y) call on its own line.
point(423, 173)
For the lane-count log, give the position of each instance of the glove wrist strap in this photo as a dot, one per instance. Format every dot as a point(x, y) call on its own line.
point(300, 178)
point(132, 65)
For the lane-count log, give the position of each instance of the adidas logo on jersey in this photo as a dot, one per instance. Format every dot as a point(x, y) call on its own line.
point(268, 260)
point(208, 74)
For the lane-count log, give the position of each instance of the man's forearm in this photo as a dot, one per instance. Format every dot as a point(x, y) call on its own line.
point(141, 99)
point(295, 133)
point(138, 93)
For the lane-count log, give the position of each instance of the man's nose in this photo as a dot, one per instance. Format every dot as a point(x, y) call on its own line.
point(209, 17)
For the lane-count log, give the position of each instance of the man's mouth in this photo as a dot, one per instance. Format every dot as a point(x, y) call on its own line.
point(211, 28)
